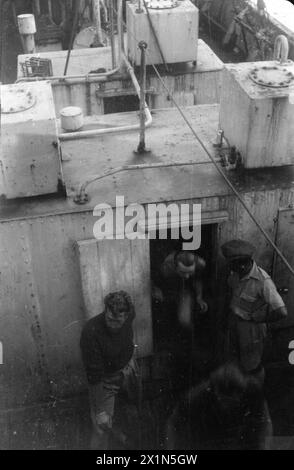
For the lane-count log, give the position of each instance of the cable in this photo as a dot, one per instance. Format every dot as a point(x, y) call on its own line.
point(155, 36)
point(73, 33)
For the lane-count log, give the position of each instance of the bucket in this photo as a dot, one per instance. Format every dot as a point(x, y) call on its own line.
point(71, 118)
point(26, 24)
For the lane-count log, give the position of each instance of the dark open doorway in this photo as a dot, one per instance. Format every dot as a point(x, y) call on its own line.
point(188, 349)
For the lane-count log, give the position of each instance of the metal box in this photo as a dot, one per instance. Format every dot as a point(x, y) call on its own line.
point(256, 112)
point(175, 24)
point(30, 158)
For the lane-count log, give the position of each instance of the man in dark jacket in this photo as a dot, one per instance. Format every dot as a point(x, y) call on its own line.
point(107, 352)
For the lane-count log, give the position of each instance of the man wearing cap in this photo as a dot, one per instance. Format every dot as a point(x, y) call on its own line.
point(181, 283)
point(107, 351)
point(255, 301)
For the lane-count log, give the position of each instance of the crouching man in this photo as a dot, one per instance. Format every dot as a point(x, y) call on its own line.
point(107, 352)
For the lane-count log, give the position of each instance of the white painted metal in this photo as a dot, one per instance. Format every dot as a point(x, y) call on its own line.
point(30, 162)
point(176, 29)
point(258, 119)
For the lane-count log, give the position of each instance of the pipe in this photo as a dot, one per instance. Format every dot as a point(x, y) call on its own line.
point(27, 30)
point(50, 10)
point(97, 18)
point(141, 147)
point(119, 30)
point(112, 43)
point(133, 77)
point(112, 130)
point(82, 198)
point(139, 9)
point(37, 7)
point(66, 78)
point(281, 49)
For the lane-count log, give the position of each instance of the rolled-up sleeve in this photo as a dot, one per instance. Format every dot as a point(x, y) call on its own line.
point(271, 295)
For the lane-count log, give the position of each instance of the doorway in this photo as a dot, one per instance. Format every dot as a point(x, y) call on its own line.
point(191, 350)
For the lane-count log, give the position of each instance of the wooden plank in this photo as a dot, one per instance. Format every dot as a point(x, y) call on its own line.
point(111, 265)
point(142, 296)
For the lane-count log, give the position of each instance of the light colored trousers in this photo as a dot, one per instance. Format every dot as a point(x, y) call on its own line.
point(102, 399)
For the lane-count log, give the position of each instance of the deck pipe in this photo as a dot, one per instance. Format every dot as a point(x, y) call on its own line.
point(112, 130)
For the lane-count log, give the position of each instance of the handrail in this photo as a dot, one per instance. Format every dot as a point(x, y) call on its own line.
point(111, 130)
point(81, 196)
point(281, 49)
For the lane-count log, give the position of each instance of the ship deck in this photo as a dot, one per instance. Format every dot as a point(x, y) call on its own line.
point(169, 140)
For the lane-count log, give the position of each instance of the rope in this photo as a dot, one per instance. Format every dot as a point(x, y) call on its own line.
point(155, 36)
point(73, 34)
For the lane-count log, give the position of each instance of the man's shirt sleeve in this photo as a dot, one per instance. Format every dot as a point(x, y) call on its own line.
point(271, 295)
point(92, 357)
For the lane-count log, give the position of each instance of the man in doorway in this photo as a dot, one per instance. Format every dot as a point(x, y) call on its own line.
point(107, 351)
point(180, 282)
point(254, 302)
point(181, 319)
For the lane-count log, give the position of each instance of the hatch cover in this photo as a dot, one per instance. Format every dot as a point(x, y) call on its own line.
point(16, 100)
point(272, 76)
point(161, 4)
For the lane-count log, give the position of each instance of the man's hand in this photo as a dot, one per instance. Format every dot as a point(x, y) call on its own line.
point(103, 422)
point(277, 315)
point(157, 294)
point(203, 305)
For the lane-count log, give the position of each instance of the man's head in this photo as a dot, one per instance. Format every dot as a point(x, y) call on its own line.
point(224, 413)
point(187, 263)
point(239, 255)
point(118, 306)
